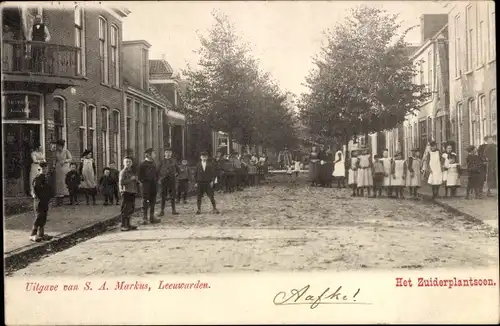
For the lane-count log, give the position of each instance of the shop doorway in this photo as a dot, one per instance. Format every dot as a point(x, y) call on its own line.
point(19, 141)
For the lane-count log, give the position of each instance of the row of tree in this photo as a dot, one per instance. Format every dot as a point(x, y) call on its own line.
point(363, 82)
point(229, 92)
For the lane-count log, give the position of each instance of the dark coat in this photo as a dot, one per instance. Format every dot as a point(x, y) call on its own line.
point(205, 176)
point(148, 172)
point(73, 180)
point(42, 188)
point(106, 185)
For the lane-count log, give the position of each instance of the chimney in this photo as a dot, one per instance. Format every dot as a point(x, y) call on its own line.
point(430, 24)
point(163, 56)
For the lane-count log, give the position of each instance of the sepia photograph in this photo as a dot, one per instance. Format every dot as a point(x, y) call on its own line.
point(308, 153)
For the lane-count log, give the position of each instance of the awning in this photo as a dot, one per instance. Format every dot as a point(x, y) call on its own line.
point(175, 118)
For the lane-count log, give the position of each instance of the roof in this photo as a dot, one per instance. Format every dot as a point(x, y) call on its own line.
point(158, 95)
point(133, 42)
point(160, 67)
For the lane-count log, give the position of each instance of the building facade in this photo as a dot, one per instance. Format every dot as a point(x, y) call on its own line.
point(144, 109)
point(472, 66)
point(66, 86)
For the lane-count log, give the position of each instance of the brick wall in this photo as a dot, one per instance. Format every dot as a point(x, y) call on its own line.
point(91, 91)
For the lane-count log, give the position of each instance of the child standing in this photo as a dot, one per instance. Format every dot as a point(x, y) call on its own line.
point(453, 177)
point(183, 177)
point(339, 168)
point(388, 167)
point(398, 175)
point(106, 185)
point(378, 176)
point(73, 181)
point(353, 173)
point(115, 175)
point(128, 185)
point(205, 176)
point(413, 167)
point(42, 192)
point(474, 166)
point(88, 174)
point(365, 178)
point(448, 151)
point(435, 167)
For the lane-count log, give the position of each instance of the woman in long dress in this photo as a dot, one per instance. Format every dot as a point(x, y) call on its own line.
point(339, 168)
point(62, 162)
point(434, 166)
point(88, 174)
point(388, 167)
point(448, 152)
point(313, 165)
point(37, 157)
point(365, 178)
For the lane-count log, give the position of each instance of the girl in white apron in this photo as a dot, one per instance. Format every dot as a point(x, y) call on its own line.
point(434, 166)
point(365, 178)
point(398, 176)
point(339, 168)
point(388, 167)
point(353, 177)
point(453, 178)
point(446, 155)
point(413, 166)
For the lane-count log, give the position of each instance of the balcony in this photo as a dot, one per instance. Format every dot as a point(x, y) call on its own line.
point(40, 63)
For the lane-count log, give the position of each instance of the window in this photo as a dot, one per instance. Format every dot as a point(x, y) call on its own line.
point(459, 128)
point(145, 73)
point(105, 136)
point(128, 127)
point(484, 117)
point(481, 53)
point(458, 58)
point(115, 70)
point(59, 118)
point(137, 131)
point(103, 49)
point(493, 112)
point(430, 77)
point(145, 123)
point(491, 28)
point(422, 80)
point(115, 132)
point(83, 126)
point(469, 37)
point(475, 132)
point(80, 40)
point(91, 126)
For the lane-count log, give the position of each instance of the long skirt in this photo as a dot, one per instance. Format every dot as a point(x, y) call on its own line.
point(352, 177)
point(365, 178)
point(492, 177)
point(313, 171)
point(326, 173)
point(60, 174)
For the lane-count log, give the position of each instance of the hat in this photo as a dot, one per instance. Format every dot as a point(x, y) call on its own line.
point(204, 153)
point(60, 142)
point(86, 152)
point(432, 143)
point(106, 168)
point(149, 151)
point(168, 148)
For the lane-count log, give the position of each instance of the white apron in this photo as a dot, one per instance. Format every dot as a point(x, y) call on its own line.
point(353, 174)
point(387, 170)
point(435, 172)
point(453, 179)
point(398, 179)
point(339, 168)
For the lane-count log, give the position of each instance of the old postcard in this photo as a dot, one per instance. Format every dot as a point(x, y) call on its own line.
point(263, 162)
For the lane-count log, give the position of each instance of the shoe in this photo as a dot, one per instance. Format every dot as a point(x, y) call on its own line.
point(35, 238)
point(175, 213)
point(132, 227)
point(198, 212)
point(144, 222)
point(46, 237)
point(124, 229)
point(215, 211)
point(154, 220)
point(160, 214)
point(185, 202)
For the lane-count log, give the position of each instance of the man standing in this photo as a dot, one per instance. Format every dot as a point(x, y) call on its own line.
point(38, 33)
point(168, 172)
point(42, 192)
point(204, 177)
point(148, 176)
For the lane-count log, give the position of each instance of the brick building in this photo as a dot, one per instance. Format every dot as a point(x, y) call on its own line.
point(472, 66)
point(145, 108)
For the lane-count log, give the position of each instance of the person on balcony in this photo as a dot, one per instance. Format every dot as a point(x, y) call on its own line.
point(38, 33)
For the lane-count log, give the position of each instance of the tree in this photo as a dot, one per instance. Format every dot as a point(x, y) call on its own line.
point(363, 79)
point(228, 92)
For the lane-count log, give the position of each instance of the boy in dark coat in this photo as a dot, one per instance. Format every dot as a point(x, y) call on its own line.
point(204, 177)
point(106, 186)
point(73, 180)
point(475, 168)
point(148, 176)
point(168, 171)
point(128, 185)
point(42, 191)
point(183, 177)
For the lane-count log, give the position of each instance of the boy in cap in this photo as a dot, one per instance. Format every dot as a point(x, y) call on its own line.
point(168, 172)
point(42, 191)
point(128, 184)
point(148, 176)
point(204, 177)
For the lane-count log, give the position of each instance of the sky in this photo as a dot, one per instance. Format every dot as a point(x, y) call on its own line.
point(284, 35)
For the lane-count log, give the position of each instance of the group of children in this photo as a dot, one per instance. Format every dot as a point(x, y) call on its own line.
point(395, 174)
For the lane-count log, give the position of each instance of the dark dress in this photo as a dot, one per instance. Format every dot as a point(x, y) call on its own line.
point(313, 167)
point(490, 154)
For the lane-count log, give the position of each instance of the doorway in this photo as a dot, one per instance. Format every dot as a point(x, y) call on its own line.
point(19, 141)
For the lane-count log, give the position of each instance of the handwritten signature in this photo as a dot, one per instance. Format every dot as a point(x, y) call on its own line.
point(303, 297)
